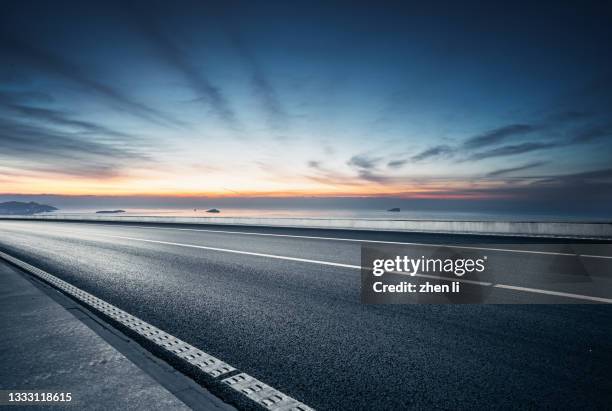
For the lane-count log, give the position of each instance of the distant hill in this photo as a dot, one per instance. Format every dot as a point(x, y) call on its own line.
point(21, 208)
point(110, 211)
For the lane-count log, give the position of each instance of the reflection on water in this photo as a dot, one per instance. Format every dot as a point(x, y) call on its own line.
point(330, 213)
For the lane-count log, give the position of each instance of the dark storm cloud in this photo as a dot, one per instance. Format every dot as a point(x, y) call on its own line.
point(43, 149)
point(498, 135)
point(212, 95)
point(39, 59)
point(441, 150)
point(265, 92)
point(503, 171)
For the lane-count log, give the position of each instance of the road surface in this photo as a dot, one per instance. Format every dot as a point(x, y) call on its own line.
point(266, 302)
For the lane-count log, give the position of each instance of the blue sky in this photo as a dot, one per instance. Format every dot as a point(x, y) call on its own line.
point(437, 101)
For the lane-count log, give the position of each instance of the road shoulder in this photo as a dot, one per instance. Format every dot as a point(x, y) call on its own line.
point(51, 343)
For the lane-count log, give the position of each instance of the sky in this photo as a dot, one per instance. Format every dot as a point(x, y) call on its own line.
point(466, 103)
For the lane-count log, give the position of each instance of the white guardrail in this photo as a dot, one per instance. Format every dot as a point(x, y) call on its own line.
point(505, 228)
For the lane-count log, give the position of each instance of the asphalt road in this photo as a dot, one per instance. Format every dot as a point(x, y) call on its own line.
point(260, 303)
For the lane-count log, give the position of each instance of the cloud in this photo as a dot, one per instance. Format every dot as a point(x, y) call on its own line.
point(589, 190)
point(570, 116)
point(176, 58)
point(504, 171)
point(363, 162)
point(586, 177)
point(31, 147)
point(314, 164)
point(59, 118)
point(45, 61)
point(498, 135)
point(441, 150)
point(510, 150)
point(368, 175)
point(364, 175)
point(277, 116)
point(396, 163)
point(592, 133)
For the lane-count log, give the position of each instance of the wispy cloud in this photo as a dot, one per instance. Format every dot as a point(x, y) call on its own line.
point(314, 164)
point(514, 149)
point(363, 162)
point(592, 133)
point(43, 149)
point(504, 171)
point(375, 177)
point(396, 163)
point(59, 118)
point(265, 92)
point(206, 92)
point(498, 135)
point(436, 151)
point(42, 60)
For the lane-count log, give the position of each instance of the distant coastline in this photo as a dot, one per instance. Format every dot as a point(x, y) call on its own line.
point(23, 208)
point(110, 211)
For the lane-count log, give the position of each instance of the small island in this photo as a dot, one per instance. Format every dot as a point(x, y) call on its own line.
point(394, 210)
point(110, 211)
point(22, 208)
point(213, 210)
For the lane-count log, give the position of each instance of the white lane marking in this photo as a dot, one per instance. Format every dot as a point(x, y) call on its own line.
point(227, 250)
point(270, 398)
point(556, 293)
point(304, 260)
point(282, 257)
point(329, 263)
point(595, 256)
point(355, 240)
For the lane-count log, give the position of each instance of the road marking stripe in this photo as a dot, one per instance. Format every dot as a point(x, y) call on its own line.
point(271, 398)
point(227, 250)
point(595, 256)
point(556, 293)
point(509, 250)
point(301, 260)
point(304, 260)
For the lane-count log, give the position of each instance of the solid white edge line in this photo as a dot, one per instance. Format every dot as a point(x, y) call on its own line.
point(266, 396)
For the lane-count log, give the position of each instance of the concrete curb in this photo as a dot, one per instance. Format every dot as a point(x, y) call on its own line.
point(249, 392)
point(503, 228)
